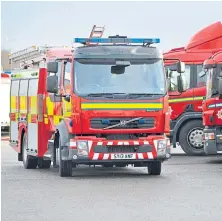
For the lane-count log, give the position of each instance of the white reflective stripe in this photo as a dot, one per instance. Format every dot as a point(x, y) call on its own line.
point(146, 142)
point(110, 143)
point(90, 145)
point(126, 143)
point(95, 156)
point(140, 155)
point(219, 151)
point(120, 143)
point(99, 143)
point(106, 156)
point(136, 143)
point(72, 144)
point(150, 155)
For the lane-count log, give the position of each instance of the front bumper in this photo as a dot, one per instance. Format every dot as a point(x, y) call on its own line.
point(100, 151)
point(212, 141)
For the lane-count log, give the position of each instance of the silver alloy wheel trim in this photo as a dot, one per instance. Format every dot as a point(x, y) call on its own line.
point(195, 138)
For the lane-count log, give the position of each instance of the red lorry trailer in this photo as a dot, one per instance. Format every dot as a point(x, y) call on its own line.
point(212, 106)
point(186, 106)
point(115, 111)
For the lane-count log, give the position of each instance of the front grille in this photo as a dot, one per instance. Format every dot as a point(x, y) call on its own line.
point(123, 149)
point(144, 123)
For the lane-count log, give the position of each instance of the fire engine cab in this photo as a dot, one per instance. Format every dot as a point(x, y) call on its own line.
point(103, 103)
point(212, 106)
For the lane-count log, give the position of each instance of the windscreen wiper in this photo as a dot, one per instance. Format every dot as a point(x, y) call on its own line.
point(134, 95)
point(106, 95)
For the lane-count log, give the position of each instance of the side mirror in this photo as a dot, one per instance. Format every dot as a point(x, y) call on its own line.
point(179, 67)
point(52, 67)
point(220, 86)
point(168, 82)
point(117, 69)
point(180, 84)
point(52, 84)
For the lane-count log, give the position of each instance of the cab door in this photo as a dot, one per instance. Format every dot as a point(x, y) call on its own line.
point(67, 104)
point(199, 87)
point(181, 102)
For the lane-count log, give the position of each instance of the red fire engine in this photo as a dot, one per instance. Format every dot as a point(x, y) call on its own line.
point(103, 104)
point(212, 106)
point(186, 105)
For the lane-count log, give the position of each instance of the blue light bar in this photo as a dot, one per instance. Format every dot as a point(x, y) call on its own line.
point(117, 40)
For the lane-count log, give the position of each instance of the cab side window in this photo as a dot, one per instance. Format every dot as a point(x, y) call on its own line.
point(201, 76)
point(173, 87)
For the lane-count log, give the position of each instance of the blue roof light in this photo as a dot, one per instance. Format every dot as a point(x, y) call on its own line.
point(117, 40)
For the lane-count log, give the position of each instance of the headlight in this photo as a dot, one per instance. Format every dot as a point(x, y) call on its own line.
point(82, 147)
point(161, 144)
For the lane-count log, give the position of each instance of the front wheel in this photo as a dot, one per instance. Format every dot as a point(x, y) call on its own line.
point(65, 166)
point(29, 162)
point(44, 164)
point(191, 138)
point(154, 168)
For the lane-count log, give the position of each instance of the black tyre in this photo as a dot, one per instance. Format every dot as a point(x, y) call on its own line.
point(29, 162)
point(154, 168)
point(191, 138)
point(65, 166)
point(44, 164)
point(108, 165)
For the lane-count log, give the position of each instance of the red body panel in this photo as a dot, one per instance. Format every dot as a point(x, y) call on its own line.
point(200, 47)
point(87, 114)
point(210, 109)
point(211, 112)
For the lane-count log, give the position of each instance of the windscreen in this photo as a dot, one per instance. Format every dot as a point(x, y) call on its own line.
point(105, 76)
point(209, 83)
point(212, 82)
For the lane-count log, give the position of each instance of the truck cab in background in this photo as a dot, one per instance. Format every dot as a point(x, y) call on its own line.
point(212, 106)
point(186, 106)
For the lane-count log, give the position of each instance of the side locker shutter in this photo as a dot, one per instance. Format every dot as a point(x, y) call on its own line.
point(23, 101)
point(14, 110)
point(32, 117)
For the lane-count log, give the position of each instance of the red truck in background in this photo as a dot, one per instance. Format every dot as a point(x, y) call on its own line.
point(186, 106)
point(212, 106)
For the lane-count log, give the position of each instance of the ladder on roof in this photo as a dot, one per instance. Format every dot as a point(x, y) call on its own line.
point(30, 56)
point(97, 32)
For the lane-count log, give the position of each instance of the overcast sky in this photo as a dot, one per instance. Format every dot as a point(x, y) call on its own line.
point(29, 23)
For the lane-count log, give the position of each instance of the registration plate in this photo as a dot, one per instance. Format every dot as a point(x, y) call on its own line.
point(123, 156)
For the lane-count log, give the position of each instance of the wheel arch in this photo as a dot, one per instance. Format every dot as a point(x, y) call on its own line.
point(62, 132)
point(184, 119)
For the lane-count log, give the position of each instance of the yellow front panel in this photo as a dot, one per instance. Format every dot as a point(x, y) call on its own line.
point(66, 108)
point(57, 119)
point(50, 106)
